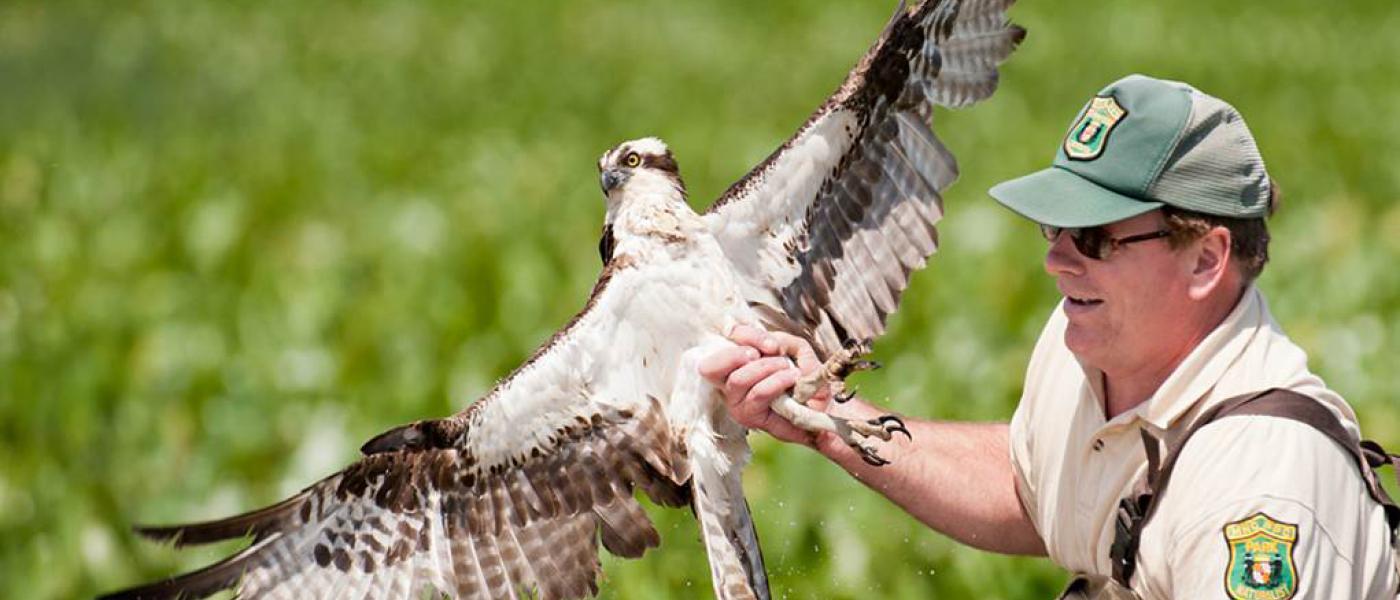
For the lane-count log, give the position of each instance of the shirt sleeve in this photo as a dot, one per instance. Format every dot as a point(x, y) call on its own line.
point(1262, 507)
point(1024, 420)
point(1260, 547)
point(1040, 369)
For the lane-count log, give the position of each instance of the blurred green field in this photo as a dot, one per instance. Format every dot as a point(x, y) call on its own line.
point(238, 238)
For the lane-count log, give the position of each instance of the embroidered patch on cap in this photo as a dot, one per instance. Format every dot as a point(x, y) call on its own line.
point(1089, 135)
point(1261, 559)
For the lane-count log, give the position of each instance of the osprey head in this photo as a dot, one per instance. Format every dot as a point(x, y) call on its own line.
point(639, 163)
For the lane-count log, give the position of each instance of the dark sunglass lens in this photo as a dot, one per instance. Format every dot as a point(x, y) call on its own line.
point(1090, 242)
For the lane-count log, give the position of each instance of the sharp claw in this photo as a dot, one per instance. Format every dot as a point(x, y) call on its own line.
point(883, 432)
point(844, 396)
point(886, 420)
point(871, 458)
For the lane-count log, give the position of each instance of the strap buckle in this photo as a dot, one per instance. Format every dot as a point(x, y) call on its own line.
point(1126, 530)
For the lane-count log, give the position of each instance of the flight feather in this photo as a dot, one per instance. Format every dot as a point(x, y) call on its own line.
point(827, 230)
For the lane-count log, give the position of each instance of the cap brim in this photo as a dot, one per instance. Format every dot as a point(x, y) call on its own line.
point(1060, 198)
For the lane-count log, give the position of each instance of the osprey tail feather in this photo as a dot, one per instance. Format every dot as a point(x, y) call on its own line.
point(736, 560)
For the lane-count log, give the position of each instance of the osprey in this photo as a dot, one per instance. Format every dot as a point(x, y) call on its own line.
point(511, 496)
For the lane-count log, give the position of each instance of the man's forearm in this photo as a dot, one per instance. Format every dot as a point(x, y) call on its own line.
point(955, 477)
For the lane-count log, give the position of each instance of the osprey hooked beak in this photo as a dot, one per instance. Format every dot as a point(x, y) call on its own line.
point(612, 179)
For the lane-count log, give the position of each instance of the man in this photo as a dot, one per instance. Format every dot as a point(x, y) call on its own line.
point(1154, 209)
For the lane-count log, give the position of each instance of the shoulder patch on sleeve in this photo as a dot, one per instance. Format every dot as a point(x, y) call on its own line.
point(1261, 558)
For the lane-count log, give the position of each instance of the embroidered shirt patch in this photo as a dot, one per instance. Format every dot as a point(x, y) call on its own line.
point(1261, 559)
point(1088, 136)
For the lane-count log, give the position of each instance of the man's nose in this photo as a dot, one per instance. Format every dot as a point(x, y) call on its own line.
point(1061, 258)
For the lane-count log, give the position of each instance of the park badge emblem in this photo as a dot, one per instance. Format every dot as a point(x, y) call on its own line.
point(1089, 134)
point(1261, 559)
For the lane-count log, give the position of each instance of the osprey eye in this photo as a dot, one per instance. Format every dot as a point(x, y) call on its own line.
point(632, 159)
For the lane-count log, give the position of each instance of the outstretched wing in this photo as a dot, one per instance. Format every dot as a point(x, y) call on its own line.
point(507, 499)
point(827, 229)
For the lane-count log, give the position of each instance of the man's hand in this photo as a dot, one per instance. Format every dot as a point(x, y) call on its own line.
point(955, 477)
point(760, 370)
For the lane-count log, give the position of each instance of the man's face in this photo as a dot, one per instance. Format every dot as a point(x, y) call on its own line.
point(1125, 311)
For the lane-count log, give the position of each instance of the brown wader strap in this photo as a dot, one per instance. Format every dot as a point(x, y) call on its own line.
point(1135, 511)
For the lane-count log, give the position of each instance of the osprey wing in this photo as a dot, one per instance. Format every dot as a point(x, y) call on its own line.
point(508, 498)
point(827, 229)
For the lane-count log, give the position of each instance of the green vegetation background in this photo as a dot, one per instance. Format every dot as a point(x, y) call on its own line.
point(238, 238)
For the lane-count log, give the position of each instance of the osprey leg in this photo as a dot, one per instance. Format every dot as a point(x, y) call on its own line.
point(855, 432)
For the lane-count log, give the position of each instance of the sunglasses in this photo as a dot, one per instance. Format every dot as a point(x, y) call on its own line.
point(1095, 242)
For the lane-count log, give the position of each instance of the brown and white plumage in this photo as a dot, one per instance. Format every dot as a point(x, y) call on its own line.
point(512, 496)
point(829, 227)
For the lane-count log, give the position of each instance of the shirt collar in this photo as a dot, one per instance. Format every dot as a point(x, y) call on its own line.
point(1203, 368)
point(1199, 372)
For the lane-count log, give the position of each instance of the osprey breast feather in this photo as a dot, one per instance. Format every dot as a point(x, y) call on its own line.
point(511, 496)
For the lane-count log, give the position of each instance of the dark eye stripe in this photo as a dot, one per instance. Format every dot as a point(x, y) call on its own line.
point(661, 163)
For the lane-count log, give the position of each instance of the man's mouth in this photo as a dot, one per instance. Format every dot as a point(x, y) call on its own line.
point(1084, 302)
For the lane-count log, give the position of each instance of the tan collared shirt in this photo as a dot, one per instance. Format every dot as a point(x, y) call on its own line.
point(1073, 466)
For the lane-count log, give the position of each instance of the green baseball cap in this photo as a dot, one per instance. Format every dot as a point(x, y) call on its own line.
point(1139, 144)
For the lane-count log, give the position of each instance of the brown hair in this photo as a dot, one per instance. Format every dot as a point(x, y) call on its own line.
point(1249, 238)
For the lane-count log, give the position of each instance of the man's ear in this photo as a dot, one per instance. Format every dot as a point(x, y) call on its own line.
point(1210, 262)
